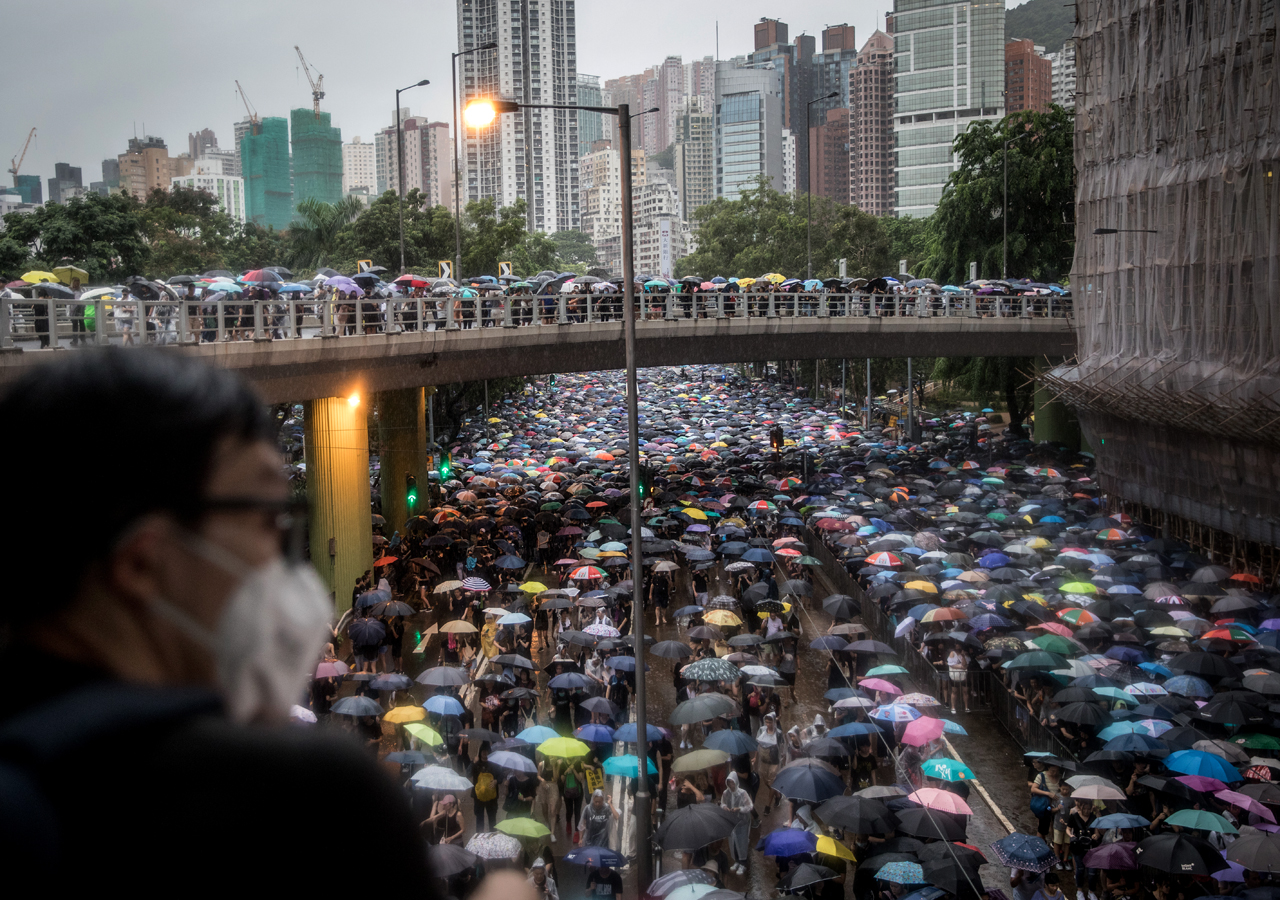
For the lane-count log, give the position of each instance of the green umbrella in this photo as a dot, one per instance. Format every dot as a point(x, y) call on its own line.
point(947, 769)
point(1257, 741)
point(1056, 643)
point(1202, 820)
point(1079, 587)
point(1037, 659)
point(699, 760)
point(523, 827)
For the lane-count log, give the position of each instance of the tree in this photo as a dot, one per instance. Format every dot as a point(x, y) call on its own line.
point(454, 403)
point(765, 231)
point(314, 235)
point(665, 159)
point(969, 224)
point(493, 235)
point(988, 378)
point(253, 247)
point(574, 248)
point(375, 235)
point(186, 231)
point(105, 236)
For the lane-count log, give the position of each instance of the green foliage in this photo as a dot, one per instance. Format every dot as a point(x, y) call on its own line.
point(665, 159)
point(375, 235)
point(186, 232)
point(495, 235)
point(314, 234)
point(575, 248)
point(105, 236)
point(765, 231)
point(968, 224)
point(908, 239)
point(1046, 22)
point(991, 379)
point(455, 403)
point(253, 247)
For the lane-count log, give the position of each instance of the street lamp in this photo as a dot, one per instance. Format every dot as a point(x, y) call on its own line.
point(457, 202)
point(481, 113)
point(808, 183)
point(1125, 231)
point(400, 162)
point(1004, 257)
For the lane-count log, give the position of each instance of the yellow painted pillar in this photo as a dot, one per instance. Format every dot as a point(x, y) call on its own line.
point(402, 433)
point(341, 524)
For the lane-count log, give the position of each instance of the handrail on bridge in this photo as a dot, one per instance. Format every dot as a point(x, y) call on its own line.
point(57, 322)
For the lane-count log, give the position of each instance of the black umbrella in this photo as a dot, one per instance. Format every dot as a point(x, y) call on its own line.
point(930, 824)
point(694, 827)
point(860, 815)
point(804, 875)
point(481, 734)
point(955, 875)
point(1179, 853)
point(702, 708)
point(671, 650)
point(366, 632)
point(1229, 711)
point(1205, 664)
point(443, 676)
point(1083, 713)
point(600, 705)
point(447, 860)
point(1256, 852)
point(841, 606)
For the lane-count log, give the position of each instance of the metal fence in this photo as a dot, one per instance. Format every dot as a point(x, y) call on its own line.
point(56, 322)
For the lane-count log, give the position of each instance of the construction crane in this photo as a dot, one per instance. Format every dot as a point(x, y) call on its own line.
point(248, 107)
point(16, 164)
point(317, 83)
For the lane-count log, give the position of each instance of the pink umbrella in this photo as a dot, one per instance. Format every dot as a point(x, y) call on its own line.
point(1244, 801)
point(1054, 627)
point(1201, 783)
point(332, 668)
point(879, 684)
point(884, 560)
point(943, 801)
point(923, 730)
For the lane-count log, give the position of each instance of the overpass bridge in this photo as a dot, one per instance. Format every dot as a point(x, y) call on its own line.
point(331, 356)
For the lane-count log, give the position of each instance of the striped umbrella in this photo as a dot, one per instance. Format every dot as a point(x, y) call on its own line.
point(586, 573)
point(884, 560)
point(472, 583)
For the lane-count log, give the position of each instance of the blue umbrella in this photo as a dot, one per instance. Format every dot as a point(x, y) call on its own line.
point(688, 611)
point(855, 729)
point(514, 762)
point(536, 734)
point(623, 663)
point(627, 766)
point(1155, 669)
point(357, 705)
point(594, 856)
point(787, 842)
point(628, 733)
point(366, 632)
point(407, 758)
point(990, 620)
point(1120, 820)
point(1189, 686)
point(994, 561)
point(836, 694)
point(735, 743)
point(443, 705)
point(757, 555)
point(901, 873)
point(1135, 742)
point(1199, 762)
point(929, 893)
point(372, 598)
point(594, 733)
point(1025, 851)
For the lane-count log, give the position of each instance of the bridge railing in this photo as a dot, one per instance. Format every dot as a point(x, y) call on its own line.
point(60, 322)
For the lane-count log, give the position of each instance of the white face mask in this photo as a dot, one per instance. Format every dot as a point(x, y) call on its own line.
point(269, 636)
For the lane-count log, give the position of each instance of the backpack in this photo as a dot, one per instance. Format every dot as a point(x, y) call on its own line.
point(486, 787)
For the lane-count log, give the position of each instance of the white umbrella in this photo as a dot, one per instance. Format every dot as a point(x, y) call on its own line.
point(440, 778)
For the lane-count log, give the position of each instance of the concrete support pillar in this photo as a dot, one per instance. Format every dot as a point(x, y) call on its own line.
point(341, 525)
point(402, 434)
point(1055, 421)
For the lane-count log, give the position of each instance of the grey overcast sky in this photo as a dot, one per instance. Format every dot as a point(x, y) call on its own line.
point(169, 69)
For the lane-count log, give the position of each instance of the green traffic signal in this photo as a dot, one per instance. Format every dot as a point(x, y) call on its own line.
point(411, 491)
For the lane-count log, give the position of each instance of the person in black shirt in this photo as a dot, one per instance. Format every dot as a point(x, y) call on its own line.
point(604, 883)
point(522, 790)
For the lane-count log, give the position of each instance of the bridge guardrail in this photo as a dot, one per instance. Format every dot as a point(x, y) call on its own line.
point(59, 322)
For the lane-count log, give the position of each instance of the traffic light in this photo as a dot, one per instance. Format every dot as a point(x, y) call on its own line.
point(645, 478)
point(551, 382)
point(411, 492)
point(446, 466)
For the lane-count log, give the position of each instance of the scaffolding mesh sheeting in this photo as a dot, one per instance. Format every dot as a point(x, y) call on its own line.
point(1178, 148)
point(264, 163)
point(317, 157)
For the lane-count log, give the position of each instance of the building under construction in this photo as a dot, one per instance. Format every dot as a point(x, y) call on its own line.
point(1177, 269)
point(317, 157)
point(264, 163)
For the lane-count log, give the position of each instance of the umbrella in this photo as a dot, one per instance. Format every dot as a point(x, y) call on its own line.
point(447, 860)
point(513, 762)
point(901, 873)
point(1202, 820)
point(627, 766)
point(922, 731)
point(523, 827)
point(735, 743)
point(859, 815)
point(629, 732)
point(946, 769)
point(955, 874)
point(444, 706)
point(563, 747)
point(944, 801)
point(595, 857)
point(357, 706)
point(1258, 852)
point(1199, 762)
point(1025, 851)
point(443, 676)
point(495, 845)
point(440, 778)
point(804, 875)
point(694, 827)
point(787, 842)
point(807, 784)
point(702, 709)
point(1182, 854)
point(1117, 855)
point(671, 650)
point(711, 669)
point(672, 881)
point(926, 823)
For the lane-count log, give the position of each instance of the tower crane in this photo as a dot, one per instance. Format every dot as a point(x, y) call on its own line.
point(317, 83)
point(16, 164)
point(248, 107)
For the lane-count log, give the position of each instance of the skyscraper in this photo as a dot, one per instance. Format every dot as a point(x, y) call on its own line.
point(531, 154)
point(831, 68)
point(590, 125)
point(794, 62)
point(1028, 77)
point(201, 141)
point(695, 157)
point(317, 157)
point(264, 164)
point(748, 126)
point(358, 167)
point(428, 163)
point(871, 127)
point(670, 97)
point(949, 66)
point(829, 156)
point(66, 183)
point(1064, 74)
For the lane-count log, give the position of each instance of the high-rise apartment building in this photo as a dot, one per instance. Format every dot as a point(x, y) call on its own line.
point(66, 183)
point(659, 236)
point(147, 166)
point(358, 168)
point(1028, 77)
point(428, 161)
point(531, 154)
point(669, 97)
point(317, 157)
point(602, 200)
point(788, 162)
point(831, 69)
point(201, 141)
point(268, 181)
point(949, 71)
point(240, 129)
point(1064, 75)
point(871, 155)
point(111, 173)
point(748, 127)
point(695, 157)
point(829, 157)
point(794, 62)
point(209, 176)
point(630, 89)
point(590, 124)
point(700, 83)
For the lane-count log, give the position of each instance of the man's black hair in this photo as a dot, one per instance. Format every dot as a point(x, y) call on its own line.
point(96, 440)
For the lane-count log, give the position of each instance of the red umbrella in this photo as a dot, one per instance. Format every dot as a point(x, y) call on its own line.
point(386, 560)
point(413, 280)
point(261, 275)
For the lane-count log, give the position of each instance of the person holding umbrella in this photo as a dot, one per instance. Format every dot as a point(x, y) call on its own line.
point(738, 801)
point(445, 821)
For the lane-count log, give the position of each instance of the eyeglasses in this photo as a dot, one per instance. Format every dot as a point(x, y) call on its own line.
point(290, 517)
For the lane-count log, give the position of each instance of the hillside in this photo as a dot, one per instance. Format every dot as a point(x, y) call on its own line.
point(1046, 22)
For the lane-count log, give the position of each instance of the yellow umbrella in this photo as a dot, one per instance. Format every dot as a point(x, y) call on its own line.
point(533, 587)
point(786, 608)
point(927, 586)
point(721, 617)
point(425, 734)
point(523, 827)
point(37, 277)
point(401, 715)
point(694, 513)
point(746, 282)
point(66, 273)
point(458, 627)
point(832, 847)
point(563, 746)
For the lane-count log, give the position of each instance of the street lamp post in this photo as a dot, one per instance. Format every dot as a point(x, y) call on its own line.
point(478, 114)
point(400, 162)
point(1004, 258)
point(457, 169)
point(808, 184)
